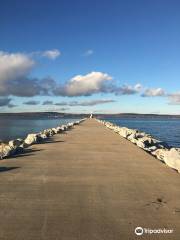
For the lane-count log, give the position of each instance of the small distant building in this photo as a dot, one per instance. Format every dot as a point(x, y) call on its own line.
point(91, 116)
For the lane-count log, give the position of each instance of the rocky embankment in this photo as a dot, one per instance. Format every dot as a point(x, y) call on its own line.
point(18, 145)
point(160, 150)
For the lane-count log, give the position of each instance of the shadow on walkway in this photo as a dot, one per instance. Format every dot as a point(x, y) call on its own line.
point(5, 169)
point(26, 152)
point(50, 141)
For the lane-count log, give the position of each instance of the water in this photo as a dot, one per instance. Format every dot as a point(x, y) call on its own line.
point(11, 128)
point(167, 130)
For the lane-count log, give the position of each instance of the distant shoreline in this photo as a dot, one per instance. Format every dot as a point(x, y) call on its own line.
point(81, 115)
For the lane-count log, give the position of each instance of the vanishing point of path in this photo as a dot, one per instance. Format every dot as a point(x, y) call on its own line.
point(87, 184)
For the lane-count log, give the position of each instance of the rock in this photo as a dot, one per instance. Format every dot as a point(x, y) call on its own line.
point(49, 132)
point(16, 146)
point(133, 140)
point(5, 150)
point(41, 136)
point(153, 148)
point(148, 142)
point(70, 125)
point(15, 143)
point(134, 134)
point(65, 127)
point(61, 129)
point(76, 123)
point(160, 154)
point(116, 129)
point(54, 130)
point(30, 139)
point(124, 132)
point(172, 158)
point(162, 145)
point(145, 142)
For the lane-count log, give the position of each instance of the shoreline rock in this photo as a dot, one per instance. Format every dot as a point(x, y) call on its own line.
point(160, 150)
point(18, 145)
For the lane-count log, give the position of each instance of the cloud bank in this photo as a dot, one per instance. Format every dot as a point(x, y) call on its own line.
point(80, 103)
point(85, 103)
point(16, 80)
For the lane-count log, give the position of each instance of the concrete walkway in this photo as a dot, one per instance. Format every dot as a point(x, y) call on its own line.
point(88, 184)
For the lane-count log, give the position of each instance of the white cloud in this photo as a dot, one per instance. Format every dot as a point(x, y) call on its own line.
point(51, 54)
point(153, 92)
point(14, 76)
point(138, 87)
point(174, 98)
point(14, 66)
point(88, 84)
point(89, 52)
point(127, 89)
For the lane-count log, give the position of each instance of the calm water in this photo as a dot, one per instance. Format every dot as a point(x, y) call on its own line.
point(18, 128)
point(167, 130)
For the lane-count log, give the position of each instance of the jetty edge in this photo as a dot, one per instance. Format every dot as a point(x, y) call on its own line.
point(18, 145)
point(168, 155)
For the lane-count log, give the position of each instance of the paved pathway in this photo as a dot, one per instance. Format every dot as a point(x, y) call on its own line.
point(88, 184)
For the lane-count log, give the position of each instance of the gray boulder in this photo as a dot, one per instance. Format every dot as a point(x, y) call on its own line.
point(64, 127)
point(55, 130)
point(30, 139)
point(49, 132)
point(124, 132)
point(70, 125)
point(160, 154)
point(59, 129)
point(149, 142)
point(15, 143)
point(16, 146)
point(5, 151)
point(144, 142)
point(172, 158)
point(41, 136)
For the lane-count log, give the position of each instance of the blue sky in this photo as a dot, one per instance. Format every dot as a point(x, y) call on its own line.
point(101, 56)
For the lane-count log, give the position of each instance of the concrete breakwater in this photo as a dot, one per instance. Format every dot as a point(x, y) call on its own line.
point(85, 185)
point(18, 145)
point(160, 150)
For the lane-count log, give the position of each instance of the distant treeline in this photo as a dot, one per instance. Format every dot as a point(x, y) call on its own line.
point(74, 115)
